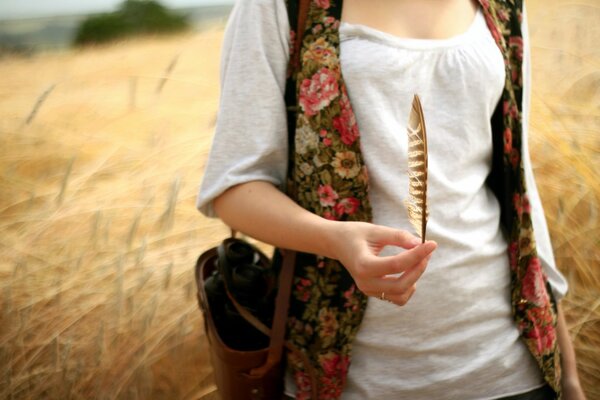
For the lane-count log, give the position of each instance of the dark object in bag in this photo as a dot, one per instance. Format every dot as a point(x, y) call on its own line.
point(245, 354)
point(246, 272)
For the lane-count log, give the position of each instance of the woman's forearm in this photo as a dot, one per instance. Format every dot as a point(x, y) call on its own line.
point(260, 210)
point(570, 379)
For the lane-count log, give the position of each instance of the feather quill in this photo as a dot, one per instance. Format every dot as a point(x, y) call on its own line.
point(416, 202)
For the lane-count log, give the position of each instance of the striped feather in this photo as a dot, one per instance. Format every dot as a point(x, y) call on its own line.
point(416, 202)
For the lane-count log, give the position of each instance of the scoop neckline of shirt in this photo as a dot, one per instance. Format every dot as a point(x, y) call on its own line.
point(351, 30)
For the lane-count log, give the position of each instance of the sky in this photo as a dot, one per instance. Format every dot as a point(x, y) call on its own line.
point(11, 9)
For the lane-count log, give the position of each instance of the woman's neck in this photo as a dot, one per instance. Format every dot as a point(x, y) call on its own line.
point(422, 19)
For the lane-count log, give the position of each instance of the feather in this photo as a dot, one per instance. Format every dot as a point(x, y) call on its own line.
point(416, 202)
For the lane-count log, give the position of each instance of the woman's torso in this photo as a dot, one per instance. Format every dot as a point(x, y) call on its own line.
point(458, 323)
point(456, 337)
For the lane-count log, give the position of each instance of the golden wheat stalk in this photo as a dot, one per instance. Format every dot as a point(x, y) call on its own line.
point(416, 202)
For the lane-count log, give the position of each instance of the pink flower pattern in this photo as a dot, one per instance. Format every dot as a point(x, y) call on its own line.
point(317, 92)
point(507, 141)
point(327, 196)
point(345, 124)
point(534, 284)
point(347, 206)
point(323, 3)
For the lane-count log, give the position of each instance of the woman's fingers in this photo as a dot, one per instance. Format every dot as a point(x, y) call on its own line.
point(408, 279)
point(359, 245)
point(402, 299)
point(385, 236)
point(396, 286)
point(375, 266)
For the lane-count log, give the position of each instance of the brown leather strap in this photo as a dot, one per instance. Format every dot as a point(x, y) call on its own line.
point(302, 16)
point(255, 322)
point(282, 303)
point(277, 334)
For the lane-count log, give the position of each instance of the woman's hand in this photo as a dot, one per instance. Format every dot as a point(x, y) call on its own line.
point(357, 246)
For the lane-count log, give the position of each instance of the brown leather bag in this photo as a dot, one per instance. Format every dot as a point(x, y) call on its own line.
point(245, 375)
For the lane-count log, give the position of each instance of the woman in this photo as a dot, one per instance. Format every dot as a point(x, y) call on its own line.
point(455, 337)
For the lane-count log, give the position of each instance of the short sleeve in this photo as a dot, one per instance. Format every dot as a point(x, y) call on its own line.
point(557, 281)
point(250, 139)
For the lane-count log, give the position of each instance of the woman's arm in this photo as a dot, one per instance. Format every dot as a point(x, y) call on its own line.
point(248, 160)
point(260, 210)
point(557, 281)
point(570, 380)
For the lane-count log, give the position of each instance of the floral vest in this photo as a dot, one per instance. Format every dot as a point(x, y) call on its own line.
point(328, 177)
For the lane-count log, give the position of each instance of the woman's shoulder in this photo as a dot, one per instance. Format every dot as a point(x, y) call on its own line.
point(269, 17)
point(262, 7)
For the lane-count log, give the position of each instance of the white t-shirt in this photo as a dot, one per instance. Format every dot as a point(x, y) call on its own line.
point(456, 337)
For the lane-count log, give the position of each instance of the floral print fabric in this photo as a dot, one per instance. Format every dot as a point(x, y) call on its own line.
point(534, 308)
point(328, 177)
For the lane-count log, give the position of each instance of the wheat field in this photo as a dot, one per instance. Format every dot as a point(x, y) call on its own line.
point(102, 151)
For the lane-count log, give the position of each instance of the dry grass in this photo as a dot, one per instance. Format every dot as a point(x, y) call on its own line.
point(565, 148)
point(102, 153)
point(99, 230)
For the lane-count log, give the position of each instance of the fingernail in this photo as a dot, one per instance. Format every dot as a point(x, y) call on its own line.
point(415, 241)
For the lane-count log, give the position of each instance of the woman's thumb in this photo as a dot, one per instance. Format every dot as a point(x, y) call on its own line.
point(397, 237)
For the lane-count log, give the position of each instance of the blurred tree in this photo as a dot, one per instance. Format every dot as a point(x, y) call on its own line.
point(133, 17)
